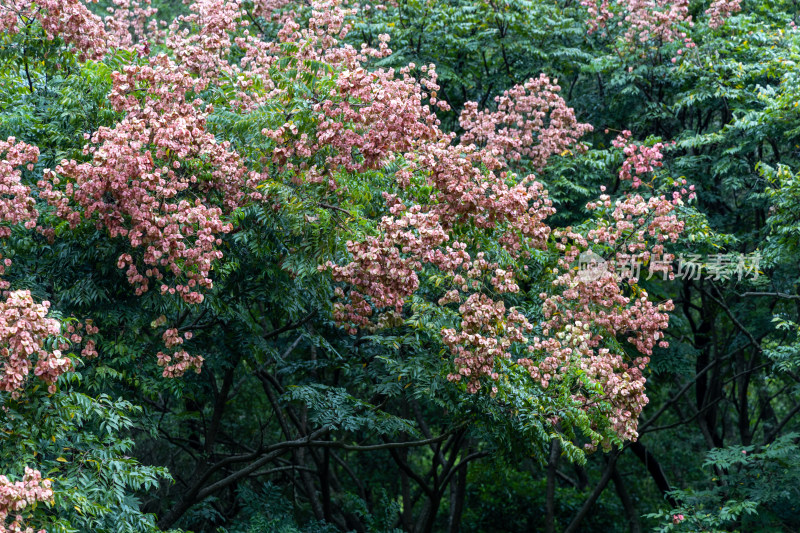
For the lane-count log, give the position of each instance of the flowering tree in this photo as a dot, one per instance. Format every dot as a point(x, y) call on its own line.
point(256, 205)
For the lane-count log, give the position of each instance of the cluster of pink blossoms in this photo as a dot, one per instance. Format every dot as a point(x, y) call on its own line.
point(367, 119)
point(531, 121)
point(220, 24)
point(472, 184)
point(155, 178)
point(487, 332)
point(379, 126)
point(270, 9)
point(603, 303)
point(24, 328)
point(69, 20)
point(654, 20)
point(77, 334)
point(384, 269)
point(643, 20)
point(15, 497)
point(158, 177)
point(464, 192)
point(720, 10)
point(16, 204)
point(204, 52)
point(131, 24)
point(4, 263)
point(177, 363)
point(581, 314)
point(201, 42)
point(639, 159)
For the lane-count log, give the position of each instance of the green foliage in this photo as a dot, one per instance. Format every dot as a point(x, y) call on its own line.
point(268, 511)
point(80, 443)
point(752, 489)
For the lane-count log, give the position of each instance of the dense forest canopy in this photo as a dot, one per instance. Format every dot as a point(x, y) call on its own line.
point(442, 265)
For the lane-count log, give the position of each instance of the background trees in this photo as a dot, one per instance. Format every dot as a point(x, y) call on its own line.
point(297, 283)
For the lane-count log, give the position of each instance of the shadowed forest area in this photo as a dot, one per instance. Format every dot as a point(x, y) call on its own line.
point(422, 266)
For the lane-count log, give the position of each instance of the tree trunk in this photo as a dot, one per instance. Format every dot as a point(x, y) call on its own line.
point(630, 509)
point(550, 497)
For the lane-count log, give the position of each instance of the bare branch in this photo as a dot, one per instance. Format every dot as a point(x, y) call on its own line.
point(770, 294)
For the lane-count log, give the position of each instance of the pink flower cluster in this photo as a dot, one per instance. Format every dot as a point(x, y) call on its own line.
point(15, 497)
point(158, 178)
point(16, 204)
point(662, 21)
point(24, 328)
point(77, 334)
point(203, 43)
point(177, 363)
point(269, 8)
point(4, 263)
point(642, 20)
point(531, 121)
point(471, 184)
point(721, 10)
point(368, 118)
point(639, 159)
point(384, 269)
point(131, 24)
point(69, 20)
point(487, 332)
point(384, 117)
point(590, 307)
